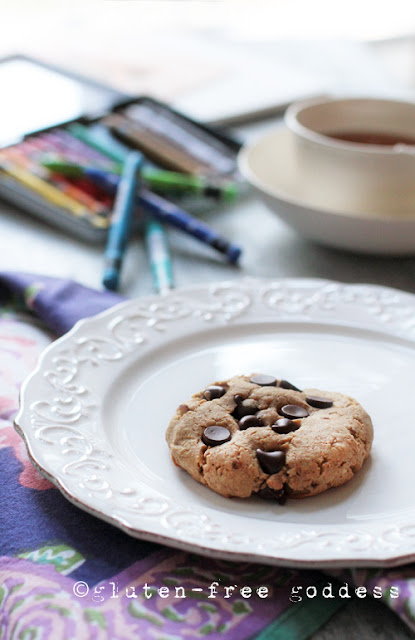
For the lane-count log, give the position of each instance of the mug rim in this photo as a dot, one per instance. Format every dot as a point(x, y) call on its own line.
point(291, 121)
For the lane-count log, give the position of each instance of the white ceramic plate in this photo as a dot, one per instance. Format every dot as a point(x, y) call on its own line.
point(94, 412)
point(270, 165)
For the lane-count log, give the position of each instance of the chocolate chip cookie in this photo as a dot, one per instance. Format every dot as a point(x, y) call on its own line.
point(259, 435)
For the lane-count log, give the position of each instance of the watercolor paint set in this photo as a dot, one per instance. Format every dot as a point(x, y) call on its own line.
point(64, 140)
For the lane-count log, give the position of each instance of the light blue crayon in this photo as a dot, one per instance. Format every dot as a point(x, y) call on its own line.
point(159, 256)
point(120, 228)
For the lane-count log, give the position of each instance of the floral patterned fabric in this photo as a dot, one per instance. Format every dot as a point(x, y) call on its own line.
point(65, 574)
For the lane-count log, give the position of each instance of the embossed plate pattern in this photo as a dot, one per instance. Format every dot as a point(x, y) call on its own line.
point(94, 412)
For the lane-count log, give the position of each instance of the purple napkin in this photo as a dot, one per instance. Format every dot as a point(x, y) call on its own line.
point(59, 303)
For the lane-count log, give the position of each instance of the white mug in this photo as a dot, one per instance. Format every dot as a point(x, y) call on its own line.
point(342, 173)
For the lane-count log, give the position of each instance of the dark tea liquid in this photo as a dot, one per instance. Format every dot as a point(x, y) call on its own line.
point(369, 137)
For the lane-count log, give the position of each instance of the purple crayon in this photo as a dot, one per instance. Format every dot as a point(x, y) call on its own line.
point(65, 142)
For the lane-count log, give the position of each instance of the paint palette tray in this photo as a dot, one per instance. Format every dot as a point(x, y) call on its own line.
point(63, 107)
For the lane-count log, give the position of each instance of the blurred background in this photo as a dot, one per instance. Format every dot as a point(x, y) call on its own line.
point(169, 48)
point(222, 61)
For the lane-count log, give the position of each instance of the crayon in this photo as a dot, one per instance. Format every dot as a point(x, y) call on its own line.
point(68, 141)
point(159, 256)
point(174, 182)
point(53, 146)
point(46, 147)
point(120, 228)
point(89, 138)
point(156, 179)
point(59, 164)
point(38, 148)
point(55, 160)
point(169, 213)
point(157, 147)
point(150, 137)
point(62, 143)
point(48, 191)
point(172, 138)
point(105, 180)
point(23, 156)
point(101, 195)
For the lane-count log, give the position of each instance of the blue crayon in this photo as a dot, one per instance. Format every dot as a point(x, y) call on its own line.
point(120, 228)
point(168, 213)
point(159, 256)
point(108, 181)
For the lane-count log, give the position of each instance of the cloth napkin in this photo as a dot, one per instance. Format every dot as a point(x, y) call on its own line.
point(65, 574)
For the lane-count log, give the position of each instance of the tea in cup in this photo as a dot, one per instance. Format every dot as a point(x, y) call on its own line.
point(356, 154)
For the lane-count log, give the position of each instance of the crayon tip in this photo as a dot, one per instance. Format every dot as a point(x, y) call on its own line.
point(230, 192)
point(226, 192)
point(233, 253)
point(67, 169)
point(110, 279)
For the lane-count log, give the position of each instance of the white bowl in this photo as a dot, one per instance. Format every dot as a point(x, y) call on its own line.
point(269, 165)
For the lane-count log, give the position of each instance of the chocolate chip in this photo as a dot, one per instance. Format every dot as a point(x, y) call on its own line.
point(293, 411)
point(212, 436)
point(241, 410)
point(263, 380)
point(271, 494)
point(283, 497)
point(214, 391)
point(319, 403)
point(250, 421)
point(284, 384)
point(270, 461)
point(284, 425)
